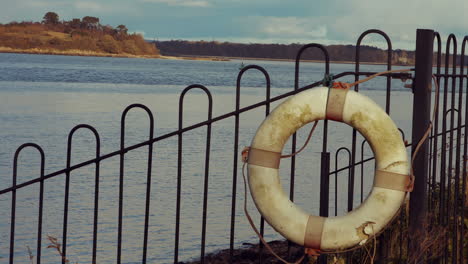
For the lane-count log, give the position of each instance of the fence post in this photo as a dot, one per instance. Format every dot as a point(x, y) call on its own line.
point(421, 120)
point(324, 183)
point(324, 191)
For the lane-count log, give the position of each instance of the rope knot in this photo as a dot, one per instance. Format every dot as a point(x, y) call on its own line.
point(328, 80)
point(245, 154)
point(341, 85)
point(312, 252)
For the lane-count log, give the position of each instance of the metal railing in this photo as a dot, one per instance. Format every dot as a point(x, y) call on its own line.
point(442, 191)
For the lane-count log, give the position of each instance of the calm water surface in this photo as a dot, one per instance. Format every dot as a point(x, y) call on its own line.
point(43, 97)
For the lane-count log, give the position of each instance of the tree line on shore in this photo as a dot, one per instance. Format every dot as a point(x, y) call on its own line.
point(342, 53)
point(86, 34)
point(279, 51)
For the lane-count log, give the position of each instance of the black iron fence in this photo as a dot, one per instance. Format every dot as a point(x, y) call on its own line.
point(439, 197)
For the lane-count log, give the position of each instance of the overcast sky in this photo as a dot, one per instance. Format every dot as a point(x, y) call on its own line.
point(263, 21)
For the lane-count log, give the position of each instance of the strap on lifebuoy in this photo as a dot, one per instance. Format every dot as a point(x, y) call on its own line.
point(264, 158)
point(313, 232)
point(336, 101)
point(393, 181)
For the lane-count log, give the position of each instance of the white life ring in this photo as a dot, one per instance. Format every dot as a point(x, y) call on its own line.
point(391, 180)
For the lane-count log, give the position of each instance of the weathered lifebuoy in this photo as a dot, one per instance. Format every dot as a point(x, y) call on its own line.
point(391, 180)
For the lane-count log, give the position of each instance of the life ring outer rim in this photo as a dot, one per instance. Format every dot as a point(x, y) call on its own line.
point(294, 230)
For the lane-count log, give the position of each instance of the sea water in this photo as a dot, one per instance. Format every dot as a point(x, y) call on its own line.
point(43, 97)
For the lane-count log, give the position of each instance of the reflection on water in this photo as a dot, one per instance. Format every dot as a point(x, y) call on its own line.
point(43, 97)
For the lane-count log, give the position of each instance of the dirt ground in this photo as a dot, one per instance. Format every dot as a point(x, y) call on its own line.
point(249, 253)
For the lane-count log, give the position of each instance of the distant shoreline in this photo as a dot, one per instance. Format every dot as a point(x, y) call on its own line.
point(86, 53)
point(216, 58)
point(293, 60)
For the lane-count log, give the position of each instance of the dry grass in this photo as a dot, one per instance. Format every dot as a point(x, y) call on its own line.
point(62, 39)
point(73, 52)
point(30, 254)
point(58, 247)
point(431, 238)
point(60, 35)
point(431, 242)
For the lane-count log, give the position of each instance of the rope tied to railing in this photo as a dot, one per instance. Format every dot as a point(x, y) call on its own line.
point(317, 252)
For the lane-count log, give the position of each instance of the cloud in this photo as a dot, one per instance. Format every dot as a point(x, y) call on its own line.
point(40, 4)
point(89, 6)
point(399, 19)
point(189, 3)
point(291, 27)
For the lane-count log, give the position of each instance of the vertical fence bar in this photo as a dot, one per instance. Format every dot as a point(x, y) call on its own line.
point(148, 183)
point(267, 112)
point(450, 134)
point(96, 184)
point(121, 184)
point(453, 226)
point(96, 195)
point(325, 126)
point(387, 109)
point(435, 127)
point(325, 167)
point(443, 158)
point(456, 243)
point(362, 169)
point(236, 151)
point(430, 177)
point(207, 167)
point(435, 131)
point(13, 201)
point(421, 119)
point(236, 154)
point(356, 88)
point(179, 184)
point(325, 156)
point(234, 168)
point(41, 207)
point(13, 212)
point(336, 174)
point(324, 181)
point(464, 160)
point(66, 198)
point(324, 191)
point(446, 175)
point(121, 180)
point(179, 170)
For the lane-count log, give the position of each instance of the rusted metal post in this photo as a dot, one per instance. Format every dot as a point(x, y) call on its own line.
point(324, 183)
point(421, 120)
point(324, 191)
